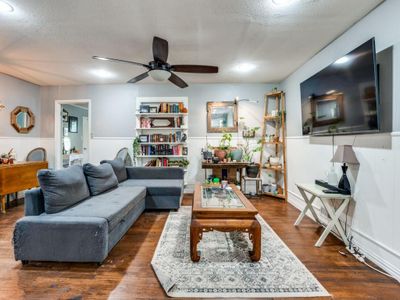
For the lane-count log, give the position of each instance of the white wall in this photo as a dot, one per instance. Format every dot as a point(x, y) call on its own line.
point(376, 221)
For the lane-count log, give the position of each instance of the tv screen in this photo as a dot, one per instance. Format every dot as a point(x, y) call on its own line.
point(343, 97)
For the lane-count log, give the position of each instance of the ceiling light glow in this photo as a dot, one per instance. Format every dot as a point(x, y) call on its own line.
point(282, 2)
point(100, 58)
point(244, 67)
point(102, 73)
point(342, 60)
point(5, 7)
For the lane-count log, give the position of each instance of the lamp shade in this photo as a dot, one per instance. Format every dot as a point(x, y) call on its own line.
point(345, 154)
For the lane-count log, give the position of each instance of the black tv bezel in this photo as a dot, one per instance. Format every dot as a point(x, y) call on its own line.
point(377, 93)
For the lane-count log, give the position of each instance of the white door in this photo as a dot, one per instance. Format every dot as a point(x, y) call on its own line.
point(85, 139)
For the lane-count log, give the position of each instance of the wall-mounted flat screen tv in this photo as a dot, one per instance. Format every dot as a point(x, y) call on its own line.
point(343, 97)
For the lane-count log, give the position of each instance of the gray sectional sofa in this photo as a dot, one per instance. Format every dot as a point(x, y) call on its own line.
point(79, 214)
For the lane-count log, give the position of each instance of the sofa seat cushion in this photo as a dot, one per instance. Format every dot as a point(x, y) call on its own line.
point(112, 205)
point(158, 187)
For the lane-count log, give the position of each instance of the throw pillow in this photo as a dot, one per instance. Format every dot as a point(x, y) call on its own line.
point(62, 188)
point(119, 168)
point(100, 178)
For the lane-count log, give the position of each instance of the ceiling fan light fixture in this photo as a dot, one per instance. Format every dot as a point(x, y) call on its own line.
point(159, 75)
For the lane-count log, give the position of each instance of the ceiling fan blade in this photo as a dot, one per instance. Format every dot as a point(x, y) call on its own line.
point(121, 60)
point(194, 69)
point(160, 49)
point(138, 78)
point(177, 81)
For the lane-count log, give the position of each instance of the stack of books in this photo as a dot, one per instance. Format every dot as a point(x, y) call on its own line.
point(171, 107)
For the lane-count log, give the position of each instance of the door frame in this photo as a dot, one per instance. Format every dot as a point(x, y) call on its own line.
point(57, 127)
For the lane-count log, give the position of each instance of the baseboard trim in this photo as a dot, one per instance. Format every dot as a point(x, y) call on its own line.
point(361, 240)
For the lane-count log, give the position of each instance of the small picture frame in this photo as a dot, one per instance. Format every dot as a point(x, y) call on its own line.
point(143, 138)
point(73, 124)
point(144, 109)
point(65, 115)
point(185, 151)
point(153, 109)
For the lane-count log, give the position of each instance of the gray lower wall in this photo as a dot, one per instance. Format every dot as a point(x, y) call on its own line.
point(15, 92)
point(113, 105)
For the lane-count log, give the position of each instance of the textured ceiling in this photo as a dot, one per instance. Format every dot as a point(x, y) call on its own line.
point(51, 42)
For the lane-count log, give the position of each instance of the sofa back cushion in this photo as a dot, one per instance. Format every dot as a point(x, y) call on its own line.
point(119, 168)
point(62, 188)
point(100, 178)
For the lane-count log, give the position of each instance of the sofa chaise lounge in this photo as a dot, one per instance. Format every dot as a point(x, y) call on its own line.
point(79, 214)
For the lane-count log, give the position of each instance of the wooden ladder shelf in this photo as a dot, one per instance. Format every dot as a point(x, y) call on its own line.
point(274, 134)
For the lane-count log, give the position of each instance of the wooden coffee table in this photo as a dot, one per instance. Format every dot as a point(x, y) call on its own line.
point(223, 210)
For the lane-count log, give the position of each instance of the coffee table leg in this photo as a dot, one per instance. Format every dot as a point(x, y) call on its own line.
point(195, 237)
point(255, 237)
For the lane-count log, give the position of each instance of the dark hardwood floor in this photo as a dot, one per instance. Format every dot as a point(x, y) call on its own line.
point(127, 274)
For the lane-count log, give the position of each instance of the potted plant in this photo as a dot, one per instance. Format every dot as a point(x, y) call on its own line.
point(224, 145)
point(7, 158)
point(252, 170)
point(136, 149)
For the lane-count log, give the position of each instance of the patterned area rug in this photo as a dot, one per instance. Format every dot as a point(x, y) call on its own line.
point(225, 269)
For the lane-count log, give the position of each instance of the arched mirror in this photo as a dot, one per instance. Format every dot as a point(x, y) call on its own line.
point(22, 119)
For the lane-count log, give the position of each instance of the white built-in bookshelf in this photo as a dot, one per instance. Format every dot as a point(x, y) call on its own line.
point(162, 125)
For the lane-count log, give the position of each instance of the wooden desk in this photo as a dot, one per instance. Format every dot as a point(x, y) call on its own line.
point(230, 168)
point(18, 177)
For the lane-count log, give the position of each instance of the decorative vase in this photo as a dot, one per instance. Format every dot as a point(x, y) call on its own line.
point(237, 154)
point(252, 170)
point(221, 154)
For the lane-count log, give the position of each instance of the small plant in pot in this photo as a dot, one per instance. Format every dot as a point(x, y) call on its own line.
point(136, 149)
point(222, 150)
point(252, 170)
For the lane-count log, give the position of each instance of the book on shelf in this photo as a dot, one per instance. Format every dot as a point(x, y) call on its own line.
point(162, 149)
point(175, 137)
point(166, 162)
point(174, 108)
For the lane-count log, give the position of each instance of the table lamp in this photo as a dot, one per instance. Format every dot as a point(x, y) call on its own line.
point(345, 154)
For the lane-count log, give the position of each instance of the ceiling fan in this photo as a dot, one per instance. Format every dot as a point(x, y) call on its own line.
point(159, 69)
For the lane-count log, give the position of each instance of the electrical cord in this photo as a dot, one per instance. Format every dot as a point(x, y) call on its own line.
point(361, 259)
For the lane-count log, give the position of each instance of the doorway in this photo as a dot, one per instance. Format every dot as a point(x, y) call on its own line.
point(72, 132)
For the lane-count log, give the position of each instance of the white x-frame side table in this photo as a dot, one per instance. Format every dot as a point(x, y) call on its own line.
point(316, 191)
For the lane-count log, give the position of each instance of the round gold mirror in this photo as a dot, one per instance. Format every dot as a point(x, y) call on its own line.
point(22, 119)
